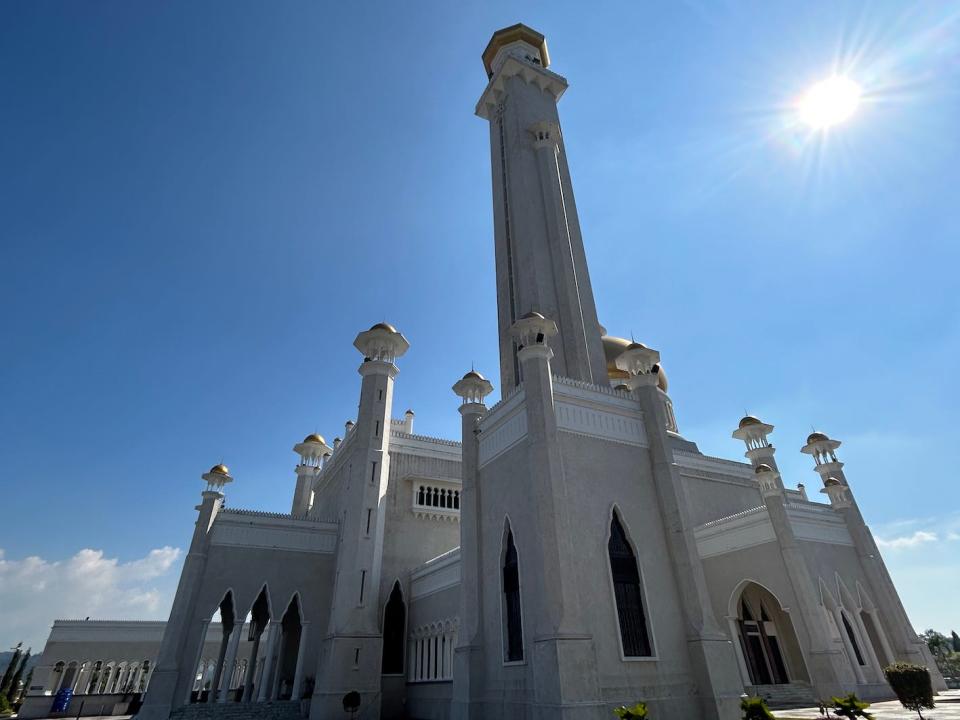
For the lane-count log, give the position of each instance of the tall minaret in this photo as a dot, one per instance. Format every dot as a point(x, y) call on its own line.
point(541, 264)
point(892, 615)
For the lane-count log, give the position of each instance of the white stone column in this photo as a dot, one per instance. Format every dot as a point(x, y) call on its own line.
point(251, 674)
point(738, 650)
point(204, 624)
point(229, 661)
point(274, 631)
point(297, 691)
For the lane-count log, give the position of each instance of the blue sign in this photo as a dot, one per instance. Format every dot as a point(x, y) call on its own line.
point(61, 700)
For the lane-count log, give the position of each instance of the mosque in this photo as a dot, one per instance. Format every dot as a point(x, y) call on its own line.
point(572, 551)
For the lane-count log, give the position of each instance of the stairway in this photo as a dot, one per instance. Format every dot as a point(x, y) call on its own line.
point(277, 710)
point(782, 697)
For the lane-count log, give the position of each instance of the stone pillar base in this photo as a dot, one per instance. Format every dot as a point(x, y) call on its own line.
point(717, 677)
point(159, 700)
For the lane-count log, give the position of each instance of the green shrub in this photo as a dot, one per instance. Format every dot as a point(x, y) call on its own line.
point(912, 685)
point(851, 707)
point(637, 712)
point(5, 708)
point(755, 708)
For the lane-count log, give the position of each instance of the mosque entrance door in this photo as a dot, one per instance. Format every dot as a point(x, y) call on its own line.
point(770, 649)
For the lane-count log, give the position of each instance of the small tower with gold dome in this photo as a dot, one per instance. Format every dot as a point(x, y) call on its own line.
point(351, 652)
point(312, 451)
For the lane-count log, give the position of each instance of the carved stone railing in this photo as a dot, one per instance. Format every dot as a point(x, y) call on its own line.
point(735, 516)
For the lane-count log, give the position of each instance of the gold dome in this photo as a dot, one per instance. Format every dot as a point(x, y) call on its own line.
point(763, 467)
point(613, 347)
point(749, 420)
point(816, 437)
point(507, 35)
point(831, 482)
point(384, 326)
point(533, 314)
point(314, 438)
point(220, 469)
point(473, 375)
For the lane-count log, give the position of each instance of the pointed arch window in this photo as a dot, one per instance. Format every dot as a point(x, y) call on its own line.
point(628, 593)
point(852, 637)
point(394, 628)
point(511, 601)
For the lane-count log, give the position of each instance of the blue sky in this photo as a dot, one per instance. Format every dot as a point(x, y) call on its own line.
point(201, 204)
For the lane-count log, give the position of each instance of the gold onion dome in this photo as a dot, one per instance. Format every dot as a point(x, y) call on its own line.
point(315, 438)
point(473, 375)
point(816, 437)
point(762, 468)
point(613, 347)
point(384, 326)
point(220, 469)
point(749, 420)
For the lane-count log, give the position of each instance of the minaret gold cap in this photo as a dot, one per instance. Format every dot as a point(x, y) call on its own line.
point(514, 33)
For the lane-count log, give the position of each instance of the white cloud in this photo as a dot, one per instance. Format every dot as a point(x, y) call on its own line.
point(35, 591)
point(920, 537)
point(953, 536)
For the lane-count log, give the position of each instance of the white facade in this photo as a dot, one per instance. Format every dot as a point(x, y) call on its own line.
point(572, 552)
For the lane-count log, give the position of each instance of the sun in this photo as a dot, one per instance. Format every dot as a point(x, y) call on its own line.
point(829, 102)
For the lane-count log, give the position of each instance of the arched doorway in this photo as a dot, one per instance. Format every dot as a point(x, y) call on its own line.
point(394, 630)
point(767, 641)
point(289, 653)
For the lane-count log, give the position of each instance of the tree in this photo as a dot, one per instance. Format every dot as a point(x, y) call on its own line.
point(912, 685)
point(938, 643)
point(26, 685)
point(14, 690)
point(11, 669)
point(956, 641)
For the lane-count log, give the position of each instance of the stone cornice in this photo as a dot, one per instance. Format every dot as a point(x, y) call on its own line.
point(532, 74)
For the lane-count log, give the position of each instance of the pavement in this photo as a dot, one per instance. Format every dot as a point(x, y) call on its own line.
point(947, 708)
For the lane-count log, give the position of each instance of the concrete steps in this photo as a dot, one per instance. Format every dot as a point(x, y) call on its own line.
point(278, 710)
point(782, 697)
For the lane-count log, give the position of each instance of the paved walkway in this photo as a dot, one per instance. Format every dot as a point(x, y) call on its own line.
point(947, 708)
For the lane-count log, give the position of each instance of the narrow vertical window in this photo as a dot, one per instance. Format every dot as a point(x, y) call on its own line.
point(373, 472)
point(376, 428)
point(379, 394)
point(628, 593)
point(394, 623)
point(853, 638)
point(511, 601)
point(369, 516)
point(363, 581)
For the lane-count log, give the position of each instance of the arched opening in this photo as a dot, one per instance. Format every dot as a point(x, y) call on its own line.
point(513, 619)
point(767, 640)
point(394, 630)
point(628, 593)
point(56, 676)
point(69, 676)
point(90, 686)
point(109, 674)
point(289, 652)
point(259, 620)
point(852, 637)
